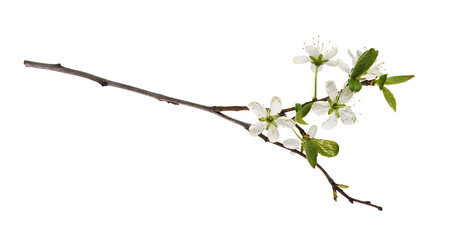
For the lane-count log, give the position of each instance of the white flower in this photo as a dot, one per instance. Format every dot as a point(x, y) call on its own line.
point(269, 119)
point(295, 144)
point(317, 57)
point(374, 71)
point(335, 106)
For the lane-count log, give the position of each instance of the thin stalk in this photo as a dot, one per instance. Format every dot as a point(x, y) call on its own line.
point(315, 90)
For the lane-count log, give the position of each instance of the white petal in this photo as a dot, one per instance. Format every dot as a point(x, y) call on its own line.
point(345, 95)
point(332, 63)
point(313, 67)
point(331, 122)
point(257, 109)
point(351, 54)
point(347, 116)
point(312, 131)
point(320, 108)
point(331, 89)
point(276, 106)
point(292, 143)
point(273, 134)
point(312, 51)
point(330, 54)
point(285, 122)
point(358, 54)
point(343, 66)
point(257, 128)
point(374, 71)
point(301, 59)
point(354, 58)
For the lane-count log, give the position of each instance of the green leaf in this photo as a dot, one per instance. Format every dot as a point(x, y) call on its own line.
point(298, 107)
point(354, 86)
point(311, 150)
point(364, 63)
point(335, 196)
point(398, 79)
point(301, 113)
point(381, 81)
point(389, 98)
point(326, 148)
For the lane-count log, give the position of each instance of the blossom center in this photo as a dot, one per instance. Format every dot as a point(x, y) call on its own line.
point(318, 61)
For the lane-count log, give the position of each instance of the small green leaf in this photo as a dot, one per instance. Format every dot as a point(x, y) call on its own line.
point(335, 196)
point(398, 79)
point(302, 112)
point(298, 107)
point(311, 150)
point(364, 62)
point(389, 98)
point(326, 148)
point(381, 81)
point(342, 186)
point(354, 86)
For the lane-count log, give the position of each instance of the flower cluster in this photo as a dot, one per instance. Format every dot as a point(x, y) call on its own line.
point(335, 105)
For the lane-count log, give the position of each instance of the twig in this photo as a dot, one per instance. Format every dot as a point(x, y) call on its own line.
point(212, 109)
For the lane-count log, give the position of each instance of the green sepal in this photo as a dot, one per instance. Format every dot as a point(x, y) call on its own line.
point(381, 81)
point(398, 79)
point(363, 64)
point(389, 98)
point(354, 86)
point(311, 150)
point(326, 148)
point(302, 112)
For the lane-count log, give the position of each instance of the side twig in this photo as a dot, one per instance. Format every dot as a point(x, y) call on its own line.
point(217, 110)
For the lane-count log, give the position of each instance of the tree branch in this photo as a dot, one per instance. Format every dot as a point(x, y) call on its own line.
point(214, 110)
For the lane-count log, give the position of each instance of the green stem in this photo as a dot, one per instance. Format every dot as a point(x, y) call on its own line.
point(297, 134)
point(315, 90)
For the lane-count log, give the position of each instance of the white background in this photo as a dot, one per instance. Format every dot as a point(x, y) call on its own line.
point(78, 161)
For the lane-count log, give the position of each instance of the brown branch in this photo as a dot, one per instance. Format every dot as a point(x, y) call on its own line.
point(336, 187)
point(214, 110)
point(230, 108)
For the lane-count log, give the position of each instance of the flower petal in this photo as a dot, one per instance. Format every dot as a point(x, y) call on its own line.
point(256, 128)
point(331, 63)
point(301, 59)
point(358, 54)
point(285, 122)
point(276, 106)
point(343, 66)
point(312, 51)
point(331, 89)
point(292, 143)
point(354, 58)
point(321, 108)
point(257, 109)
point(345, 95)
point(330, 54)
point(331, 122)
point(347, 116)
point(312, 131)
point(273, 134)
